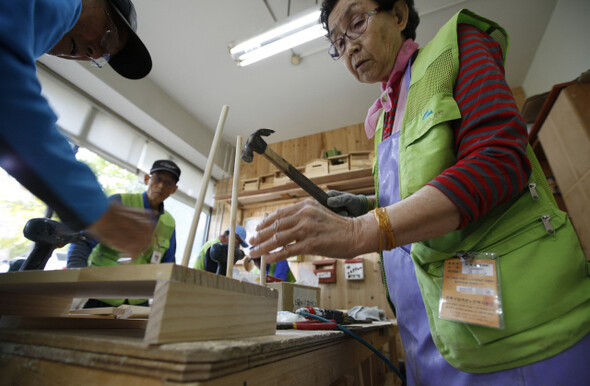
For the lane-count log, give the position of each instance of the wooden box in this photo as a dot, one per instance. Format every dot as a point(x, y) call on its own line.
point(282, 179)
point(353, 269)
point(267, 181)
point(318, 167)
point(565, 137)
point(188, 304)
point(325, 270)
point(251, 184)
point(360, 159)
point(294, 296)
point(339, 163)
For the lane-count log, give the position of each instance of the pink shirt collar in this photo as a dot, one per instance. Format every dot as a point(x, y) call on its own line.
point(385, 100)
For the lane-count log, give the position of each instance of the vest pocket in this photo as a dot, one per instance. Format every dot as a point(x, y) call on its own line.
point(542, 277)
point(427, 143)
point(440, 109)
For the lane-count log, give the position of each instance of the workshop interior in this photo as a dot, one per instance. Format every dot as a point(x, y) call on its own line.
point(245, 117)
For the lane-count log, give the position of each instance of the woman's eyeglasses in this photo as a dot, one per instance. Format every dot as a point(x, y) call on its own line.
point(357, 27)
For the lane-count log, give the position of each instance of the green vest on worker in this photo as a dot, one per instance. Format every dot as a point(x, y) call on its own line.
point(104, 256)
point(545, 286)
point(271, 272)
point(200, 263)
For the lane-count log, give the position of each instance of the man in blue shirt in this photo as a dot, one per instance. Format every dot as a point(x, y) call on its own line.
point(31, 148)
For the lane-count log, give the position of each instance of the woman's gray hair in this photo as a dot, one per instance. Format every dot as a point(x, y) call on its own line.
point(386, 5)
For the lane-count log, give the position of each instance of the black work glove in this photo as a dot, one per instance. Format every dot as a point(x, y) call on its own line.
point(218, 253)
point(348, 204)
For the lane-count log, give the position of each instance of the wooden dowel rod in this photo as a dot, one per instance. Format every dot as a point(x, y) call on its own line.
point(263, 264)
point(205, 183)
point(234, 208)
point(262, 271)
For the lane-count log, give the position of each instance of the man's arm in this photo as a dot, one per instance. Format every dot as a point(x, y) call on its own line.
point(79, 252)
point(31, 148)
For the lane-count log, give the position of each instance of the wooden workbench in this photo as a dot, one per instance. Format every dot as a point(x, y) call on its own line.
point(122, 357)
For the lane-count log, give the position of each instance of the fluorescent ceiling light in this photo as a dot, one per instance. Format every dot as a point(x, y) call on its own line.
point(291, 32)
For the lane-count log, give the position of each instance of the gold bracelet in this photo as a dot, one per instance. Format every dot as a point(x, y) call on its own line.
point(384, 226)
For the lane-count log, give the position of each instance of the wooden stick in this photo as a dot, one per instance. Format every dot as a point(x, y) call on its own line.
point(234, 209)
point(262, 271)
point(191, 236)
point(263, 264)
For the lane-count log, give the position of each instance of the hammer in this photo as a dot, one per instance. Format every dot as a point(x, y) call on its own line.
point(255, 143)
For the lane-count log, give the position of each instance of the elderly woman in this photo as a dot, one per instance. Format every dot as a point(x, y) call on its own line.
point(459, 195)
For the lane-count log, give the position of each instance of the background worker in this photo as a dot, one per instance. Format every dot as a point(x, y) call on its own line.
point(279, 269)
point(161, 183)
point(213, 254)
point(31, 148)
point(452, 171)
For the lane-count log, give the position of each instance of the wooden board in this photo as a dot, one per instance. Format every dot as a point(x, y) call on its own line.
point(219, 362)
point(188, 304)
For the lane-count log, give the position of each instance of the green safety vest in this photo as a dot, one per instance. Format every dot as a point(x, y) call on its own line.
point(271, 272)
point(200, 263)
point(103, 255)
point(545, 284)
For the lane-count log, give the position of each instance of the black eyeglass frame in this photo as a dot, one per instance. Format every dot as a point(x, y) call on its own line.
point(337, 54)
point(108, 36)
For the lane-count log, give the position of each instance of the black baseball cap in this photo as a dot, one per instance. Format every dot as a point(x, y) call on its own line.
point(164, 165)
point(134, 60)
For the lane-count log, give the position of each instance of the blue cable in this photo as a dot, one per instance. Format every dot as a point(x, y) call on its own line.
point(355, 336)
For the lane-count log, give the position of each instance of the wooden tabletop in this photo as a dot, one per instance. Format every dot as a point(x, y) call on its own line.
point(117, 354)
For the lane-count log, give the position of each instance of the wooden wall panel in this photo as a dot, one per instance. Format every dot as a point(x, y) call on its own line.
point(298, 151)
point(343, 294)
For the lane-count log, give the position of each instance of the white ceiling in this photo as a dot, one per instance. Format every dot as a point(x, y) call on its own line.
point(191, 63)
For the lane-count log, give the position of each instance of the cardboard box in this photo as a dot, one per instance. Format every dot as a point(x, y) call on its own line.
point(565, 137)
point(294, 296)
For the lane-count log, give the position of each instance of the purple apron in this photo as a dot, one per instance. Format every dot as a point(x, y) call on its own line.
point(424, 363)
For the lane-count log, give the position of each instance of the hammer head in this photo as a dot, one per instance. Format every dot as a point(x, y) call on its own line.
point(255, 143)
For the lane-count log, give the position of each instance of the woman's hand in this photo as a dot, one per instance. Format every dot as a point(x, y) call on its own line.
point(309, 228)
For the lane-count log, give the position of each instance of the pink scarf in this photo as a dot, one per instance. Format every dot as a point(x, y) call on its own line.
point(385, 100)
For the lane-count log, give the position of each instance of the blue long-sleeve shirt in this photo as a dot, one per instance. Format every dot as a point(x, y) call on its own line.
point(79, 252)
point(31, 148)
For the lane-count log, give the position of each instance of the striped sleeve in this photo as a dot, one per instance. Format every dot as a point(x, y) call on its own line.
point(491, 138)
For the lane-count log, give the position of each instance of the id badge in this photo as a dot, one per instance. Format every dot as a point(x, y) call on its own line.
point(156, 257)
point(471, 290)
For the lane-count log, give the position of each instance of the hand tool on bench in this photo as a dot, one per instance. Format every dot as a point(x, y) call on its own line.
point(256, 143)
point(307, 325)
point(47, 234)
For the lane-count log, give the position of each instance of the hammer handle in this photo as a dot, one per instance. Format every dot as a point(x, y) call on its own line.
point(297, 177)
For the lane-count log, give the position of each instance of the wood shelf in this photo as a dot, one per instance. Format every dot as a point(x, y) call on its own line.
point(359, 181)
